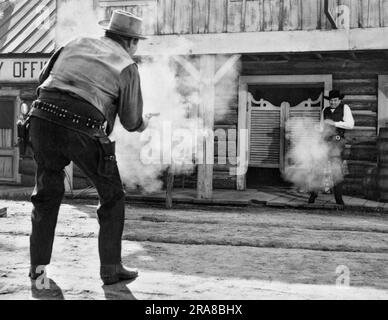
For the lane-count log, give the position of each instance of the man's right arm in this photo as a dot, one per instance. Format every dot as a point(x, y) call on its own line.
point(130, 102)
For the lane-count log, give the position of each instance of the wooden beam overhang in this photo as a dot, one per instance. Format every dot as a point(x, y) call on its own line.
point(266, 42)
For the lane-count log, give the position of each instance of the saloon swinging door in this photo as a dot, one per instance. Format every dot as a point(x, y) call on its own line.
point(266, 104)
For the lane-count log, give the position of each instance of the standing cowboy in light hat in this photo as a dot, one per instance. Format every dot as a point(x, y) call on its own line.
point(85, 85)
point(337, 118)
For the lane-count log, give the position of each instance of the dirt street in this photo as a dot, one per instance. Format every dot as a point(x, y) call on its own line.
point(205, 253)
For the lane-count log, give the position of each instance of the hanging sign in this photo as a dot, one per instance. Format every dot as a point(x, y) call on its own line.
point(21, 70)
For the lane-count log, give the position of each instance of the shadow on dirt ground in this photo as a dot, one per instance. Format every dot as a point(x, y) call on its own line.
point(119, 291)
point(39, 291)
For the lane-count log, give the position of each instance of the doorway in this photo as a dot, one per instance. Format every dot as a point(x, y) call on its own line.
point(266, 104)
point(9, 154)
point(266, 136)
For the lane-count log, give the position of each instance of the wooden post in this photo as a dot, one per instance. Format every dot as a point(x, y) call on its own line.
point(207, 78)
point(382, 103)
point(284, 115)
point(169, 187)
point(206, 112)
point(243, 115)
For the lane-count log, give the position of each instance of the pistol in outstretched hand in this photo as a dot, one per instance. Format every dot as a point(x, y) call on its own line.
point(152, 115)
point(146, 120)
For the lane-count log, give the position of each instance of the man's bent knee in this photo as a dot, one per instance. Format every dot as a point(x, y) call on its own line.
point(112, 197)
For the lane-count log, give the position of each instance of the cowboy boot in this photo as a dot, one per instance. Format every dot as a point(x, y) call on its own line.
point(36, 271)
point(338, 194)
point(113, 273)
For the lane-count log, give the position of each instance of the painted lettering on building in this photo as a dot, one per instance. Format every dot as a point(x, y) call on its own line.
point(21, 70)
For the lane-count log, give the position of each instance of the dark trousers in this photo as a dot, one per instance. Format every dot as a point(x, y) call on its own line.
point(337, 190)
point(336, 155)
point(54, 147)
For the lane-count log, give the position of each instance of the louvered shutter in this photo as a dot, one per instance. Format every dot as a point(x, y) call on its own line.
point(265, 137)
point(267, 122)
point(314, 114)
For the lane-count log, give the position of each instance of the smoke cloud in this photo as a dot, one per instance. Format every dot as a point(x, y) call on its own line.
point(309, 162)
point(76, 19)
point(170, 139)
point(173, 139)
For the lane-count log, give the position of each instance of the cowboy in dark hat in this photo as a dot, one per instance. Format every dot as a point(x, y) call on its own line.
point(337, 118)
point(85, 85)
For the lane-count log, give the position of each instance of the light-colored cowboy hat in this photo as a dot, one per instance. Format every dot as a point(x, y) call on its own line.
point(125, 24)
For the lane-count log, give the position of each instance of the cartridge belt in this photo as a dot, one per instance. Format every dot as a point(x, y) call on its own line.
point(62, 116)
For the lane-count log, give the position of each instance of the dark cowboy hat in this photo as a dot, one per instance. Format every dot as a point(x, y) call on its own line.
point(335, 94)
point(124, 24)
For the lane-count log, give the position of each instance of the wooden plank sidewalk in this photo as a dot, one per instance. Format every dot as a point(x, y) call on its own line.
point(267, 196)
point(280, 197)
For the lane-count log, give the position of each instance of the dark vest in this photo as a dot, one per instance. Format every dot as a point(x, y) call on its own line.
point(336, 116)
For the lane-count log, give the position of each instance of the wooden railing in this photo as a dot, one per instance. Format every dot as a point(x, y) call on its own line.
point(219, 16)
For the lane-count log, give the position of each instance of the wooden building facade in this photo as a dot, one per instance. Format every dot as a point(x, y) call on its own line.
point(26, 42)
point(290, 53)
point(164, 17)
